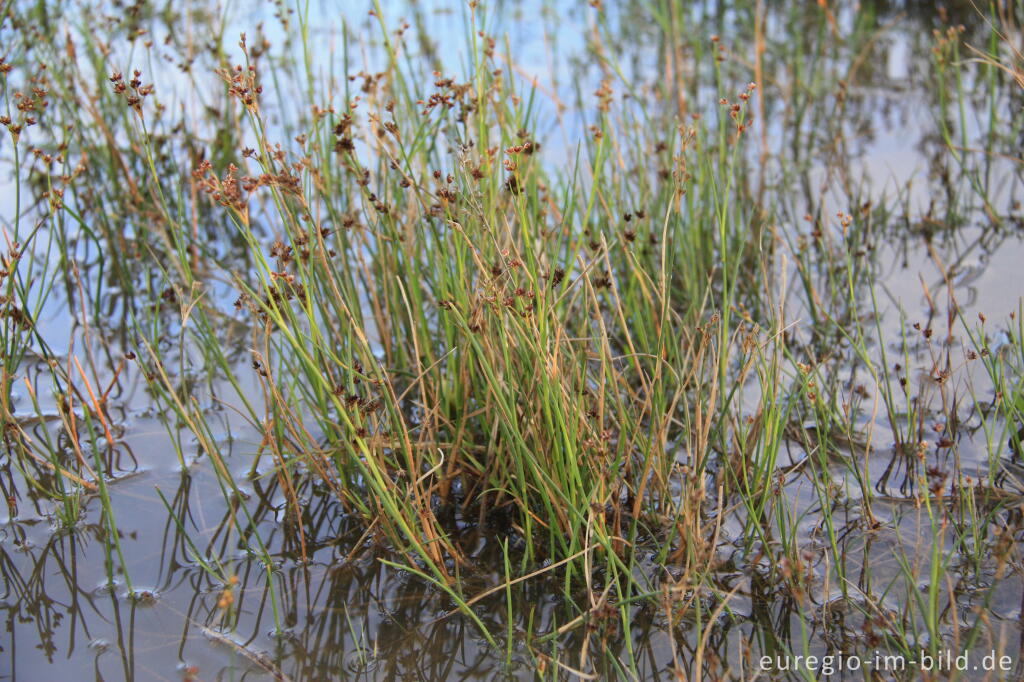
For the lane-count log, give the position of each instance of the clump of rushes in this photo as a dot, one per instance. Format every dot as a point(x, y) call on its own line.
point(436, 335)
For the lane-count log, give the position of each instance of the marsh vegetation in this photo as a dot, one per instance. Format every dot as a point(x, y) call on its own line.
point(478, 340)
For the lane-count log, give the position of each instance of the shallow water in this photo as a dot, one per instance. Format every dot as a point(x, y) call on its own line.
point(337, 611)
